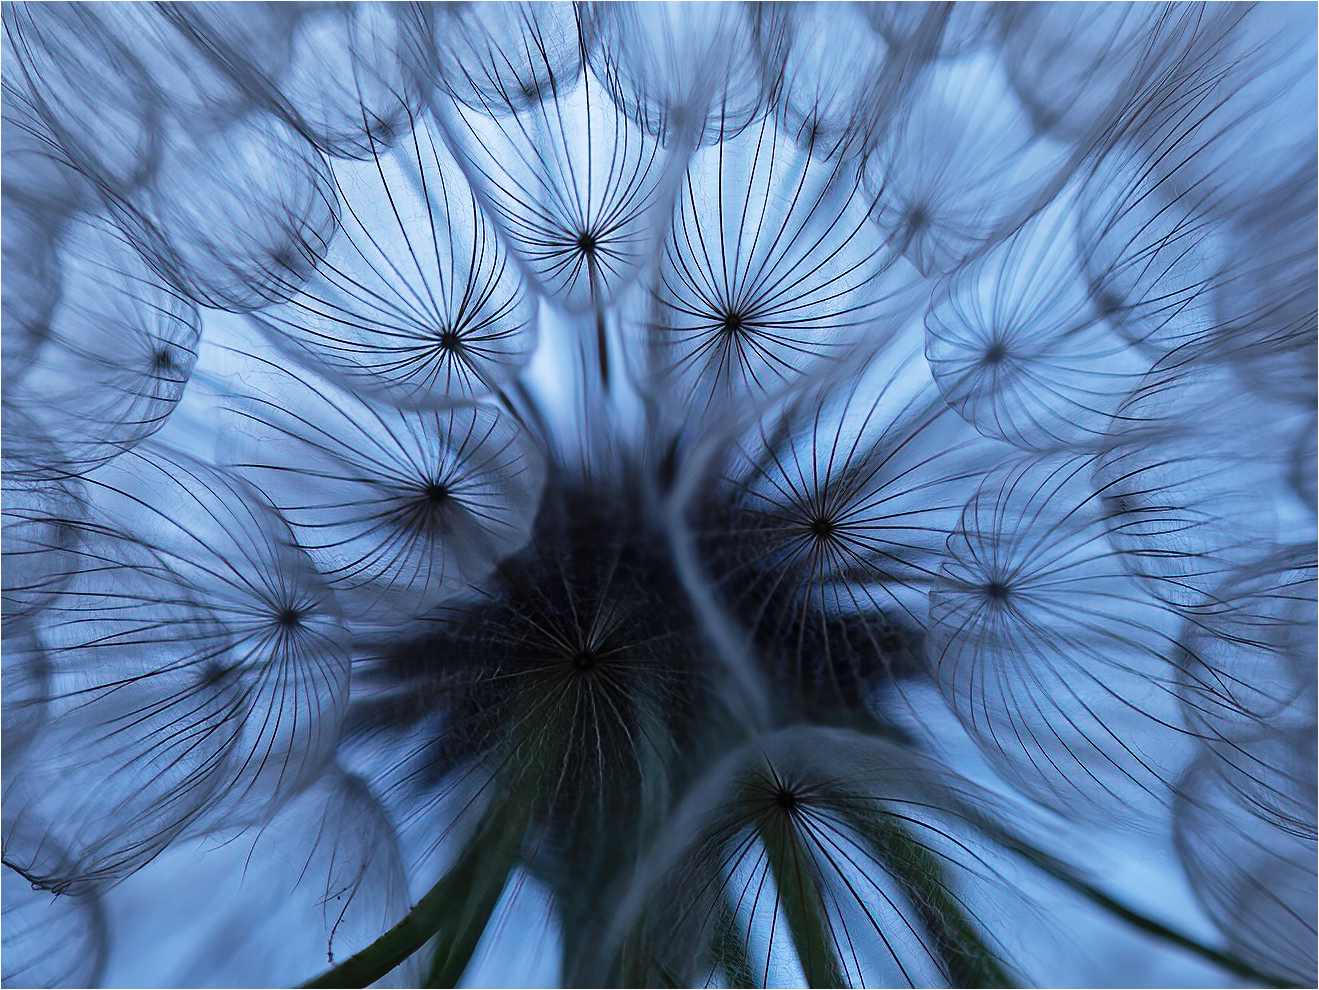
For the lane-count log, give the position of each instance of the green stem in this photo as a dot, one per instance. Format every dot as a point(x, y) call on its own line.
point(457, 909)
point(601, 334)
point(970, 962)
point(485, 875)
point(730, 948)
point(396, 945)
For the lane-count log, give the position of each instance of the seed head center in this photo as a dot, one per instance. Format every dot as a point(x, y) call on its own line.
point(288, 617)
point(822, 528)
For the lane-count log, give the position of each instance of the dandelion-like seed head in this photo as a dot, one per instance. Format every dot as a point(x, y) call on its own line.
point(675, 494)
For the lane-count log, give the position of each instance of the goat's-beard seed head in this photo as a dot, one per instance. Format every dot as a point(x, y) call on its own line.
point(575, 675)
point(578, 679)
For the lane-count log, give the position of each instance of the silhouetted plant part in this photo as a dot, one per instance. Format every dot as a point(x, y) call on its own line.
point(40, 539)
point(572, 681)
point(452, 915)
point(416, 300)
point(1248, 667)
point(210, 648)
point(1153, 257)
point(673, 494)
point(347, 83)
point(824, 532)
point(321, 878)
point(280, 638)
point(836, 79)
point(1228, 146)
point(839, 85)
point(579, 190)
point(38, 175)
point(210, 65)
point(961, 167)
point(26, 672)
point(235, 56)
point(1099, 73)
point(933, 30)
point(31, 273)
point(61, 60)
point(497, 58)
point(142, 714)
point(1266, 298)
point(50, 939)
point(1304, 460)
point(1248, 845)
point(785, 864)
point(1189, 493)
point(1245, 817)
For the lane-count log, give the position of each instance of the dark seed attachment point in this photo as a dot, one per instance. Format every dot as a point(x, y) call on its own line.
point(289, 618)
point(822, 528)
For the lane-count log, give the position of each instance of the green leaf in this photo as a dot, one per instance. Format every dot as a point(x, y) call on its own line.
point(1072, 878)
point(729, 947)
point(966, 957)
point(799, 896)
